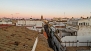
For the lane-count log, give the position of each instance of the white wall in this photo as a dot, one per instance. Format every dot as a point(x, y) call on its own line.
point(3, 22)
point(69, 38)
point(75, 38)
point(85, 20)
point(29, 23)
point(84, 31)
point(20, 22)
point(82, 40)
point(39, 23)
point(9, 22)
point(64, 34)
point(69, 44)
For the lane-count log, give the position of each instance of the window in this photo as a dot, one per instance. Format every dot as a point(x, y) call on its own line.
point(84, 23)
point(79, 23)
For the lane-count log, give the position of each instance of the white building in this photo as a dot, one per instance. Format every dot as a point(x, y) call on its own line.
point(84, 27)
point(73, 21)
point(60, 19)
point(33, 25)
point(78, 37)
point(5, 21)
point(58, 25)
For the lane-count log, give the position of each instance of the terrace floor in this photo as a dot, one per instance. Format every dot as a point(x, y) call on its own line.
point(77, 48)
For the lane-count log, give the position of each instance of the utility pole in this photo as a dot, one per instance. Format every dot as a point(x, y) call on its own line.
point(12, 16)
point(17, 15)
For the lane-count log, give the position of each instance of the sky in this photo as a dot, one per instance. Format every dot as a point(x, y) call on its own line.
point(47, 8)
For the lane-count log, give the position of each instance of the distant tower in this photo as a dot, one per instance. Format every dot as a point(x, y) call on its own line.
point(41, 17)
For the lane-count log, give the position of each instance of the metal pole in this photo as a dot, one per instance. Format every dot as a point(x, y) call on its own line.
point(12, 16)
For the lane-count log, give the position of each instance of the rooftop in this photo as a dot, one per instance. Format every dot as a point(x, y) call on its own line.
point(77, 48)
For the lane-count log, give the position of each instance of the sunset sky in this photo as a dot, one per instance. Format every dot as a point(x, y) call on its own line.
point(47, 8)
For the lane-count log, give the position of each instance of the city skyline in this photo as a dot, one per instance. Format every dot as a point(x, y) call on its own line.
point(47, 8)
